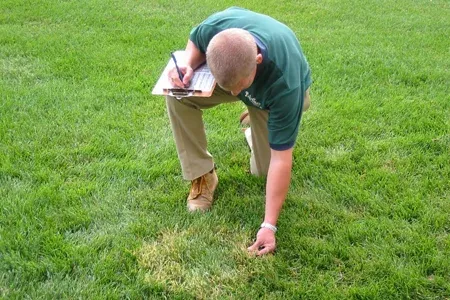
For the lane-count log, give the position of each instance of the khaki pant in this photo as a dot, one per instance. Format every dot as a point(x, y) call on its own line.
point(190, 138)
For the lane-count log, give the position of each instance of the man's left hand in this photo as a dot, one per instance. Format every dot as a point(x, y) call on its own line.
point(265, 242)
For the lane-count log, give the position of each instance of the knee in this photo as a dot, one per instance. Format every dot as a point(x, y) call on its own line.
point(173, 104)
point(170, 100)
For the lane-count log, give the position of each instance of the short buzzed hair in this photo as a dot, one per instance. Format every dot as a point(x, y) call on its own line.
point(231, 56)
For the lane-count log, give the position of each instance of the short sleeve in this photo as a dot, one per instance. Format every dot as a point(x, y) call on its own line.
point(196, 37)
point(284, 118)
point(201, 35)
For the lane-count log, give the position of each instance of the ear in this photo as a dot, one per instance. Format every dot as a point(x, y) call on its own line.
point(259, 58)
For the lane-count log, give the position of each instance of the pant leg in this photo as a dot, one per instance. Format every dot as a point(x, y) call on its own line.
point(189, 133)
point(260, 149)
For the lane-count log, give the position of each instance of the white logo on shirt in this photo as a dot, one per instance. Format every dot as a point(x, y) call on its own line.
point(252, 99)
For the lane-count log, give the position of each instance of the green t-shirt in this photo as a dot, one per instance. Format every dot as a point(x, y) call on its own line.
point(281, 79)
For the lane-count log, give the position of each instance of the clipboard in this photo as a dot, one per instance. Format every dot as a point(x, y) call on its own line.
point(202, 83)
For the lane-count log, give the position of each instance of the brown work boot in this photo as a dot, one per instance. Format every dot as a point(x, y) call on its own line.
point(202, 192)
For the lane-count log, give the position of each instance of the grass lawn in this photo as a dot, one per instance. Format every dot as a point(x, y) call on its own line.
point(92, 202)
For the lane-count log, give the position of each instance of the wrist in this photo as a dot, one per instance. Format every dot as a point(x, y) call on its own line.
point(269, 226)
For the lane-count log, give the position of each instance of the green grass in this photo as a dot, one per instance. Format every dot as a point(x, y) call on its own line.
point(92, 199)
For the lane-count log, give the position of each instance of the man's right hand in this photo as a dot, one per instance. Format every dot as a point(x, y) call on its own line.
point(174, 78)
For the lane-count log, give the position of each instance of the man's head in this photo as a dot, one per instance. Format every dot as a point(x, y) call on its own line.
point(232, 56)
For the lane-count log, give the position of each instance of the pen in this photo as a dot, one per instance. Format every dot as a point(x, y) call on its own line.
point(180, 75)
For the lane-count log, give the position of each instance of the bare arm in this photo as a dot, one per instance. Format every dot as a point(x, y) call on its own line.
point(193, 58)
point(277, 186)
